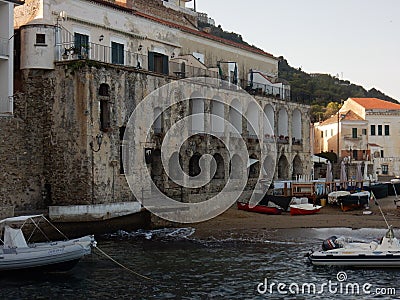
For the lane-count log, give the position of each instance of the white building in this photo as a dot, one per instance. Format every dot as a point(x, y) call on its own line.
point(6, 55)
point(365, 129)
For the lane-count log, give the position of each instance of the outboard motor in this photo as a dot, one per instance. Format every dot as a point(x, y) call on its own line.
point(330, 243)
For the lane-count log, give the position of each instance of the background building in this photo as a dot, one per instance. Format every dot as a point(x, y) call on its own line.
point(84, 67)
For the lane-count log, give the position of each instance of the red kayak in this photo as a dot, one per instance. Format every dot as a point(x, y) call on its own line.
point(259, 209)
point(304, 209)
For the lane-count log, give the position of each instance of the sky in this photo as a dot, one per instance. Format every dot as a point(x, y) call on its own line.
point(357, 40)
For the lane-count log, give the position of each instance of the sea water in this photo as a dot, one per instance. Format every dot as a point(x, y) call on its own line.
point(254, 265)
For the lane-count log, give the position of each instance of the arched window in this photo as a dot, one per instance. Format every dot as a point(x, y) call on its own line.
point(220, 170)
point(283, 123)
point(296, 125)
point(252, 120)
point(197, 107)
point(194, 165)
point(217, 116)
point(283, 168)
point(158, 123)
point(269, 121)
point(236, 167)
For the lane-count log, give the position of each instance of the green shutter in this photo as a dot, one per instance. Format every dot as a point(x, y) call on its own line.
point(151, 61)
point(165, 65)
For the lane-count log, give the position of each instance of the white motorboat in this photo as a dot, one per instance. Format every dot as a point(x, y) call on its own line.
point(19, 253)
point(339, 252)
point(378, 253)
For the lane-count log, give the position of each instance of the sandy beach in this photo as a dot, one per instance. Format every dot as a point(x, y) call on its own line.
point(235, 222)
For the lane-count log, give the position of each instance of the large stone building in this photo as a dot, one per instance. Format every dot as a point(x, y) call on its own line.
point(86, 65)
point(364, 130)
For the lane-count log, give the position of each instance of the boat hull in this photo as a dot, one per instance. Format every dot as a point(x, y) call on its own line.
point(304, 209)
point(386, 260)
point(259, 209)
point(61, 256)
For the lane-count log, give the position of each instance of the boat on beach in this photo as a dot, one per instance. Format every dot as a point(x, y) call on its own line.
point(304, 209)
point(354, 201)
point(18, 253)
point(259, 209)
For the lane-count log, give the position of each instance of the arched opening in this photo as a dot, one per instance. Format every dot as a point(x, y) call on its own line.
point(220, 171)
point(157, 169)
point(235, 115)
point(174, 166)
point(104, 90)
point(297, 167)
point(252, 120)
point(254, 168)
point(158, 123)
point(283, 123)
point(268, 167)
point(296, 126)
point(194, 165)
point(270, 118)
point(218, 110)
point(283, 168)
point(236, 167)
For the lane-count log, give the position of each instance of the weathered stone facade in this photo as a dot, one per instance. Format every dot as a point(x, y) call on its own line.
point(49, 157)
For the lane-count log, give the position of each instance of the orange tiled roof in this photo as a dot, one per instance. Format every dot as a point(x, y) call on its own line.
point(375, 103)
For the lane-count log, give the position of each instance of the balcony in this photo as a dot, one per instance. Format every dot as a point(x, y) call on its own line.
point(352, 138)
point(68, 52)
point(4, 51)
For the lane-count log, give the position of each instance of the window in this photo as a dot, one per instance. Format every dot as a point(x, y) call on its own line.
point(121, 149)
point(385, 169)
point(379, 129)
point(373, 130)
point(322, 134)
point(382, 154)
point(387, 130)
point(105, 121)
point(40, 38)
point(355, 154)
point(354, 133)
point(331, 132)
point(117, 53)
point(326, 133)
point(158, 63)
point(81, 43)
point(364, 132)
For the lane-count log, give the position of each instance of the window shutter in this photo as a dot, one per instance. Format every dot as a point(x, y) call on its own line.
point(151, 61)
point(165, 65)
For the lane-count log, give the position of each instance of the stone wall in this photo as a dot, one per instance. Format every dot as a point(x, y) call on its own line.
point(50, 150)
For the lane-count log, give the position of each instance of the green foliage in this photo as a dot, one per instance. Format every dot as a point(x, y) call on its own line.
point(321, 89)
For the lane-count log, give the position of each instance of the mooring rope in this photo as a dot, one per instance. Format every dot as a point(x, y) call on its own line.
point(121, 265)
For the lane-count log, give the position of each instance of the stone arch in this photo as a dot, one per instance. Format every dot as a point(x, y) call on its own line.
point(173, 169)
point(104, 90)
point(269, 167)
point(270, 117)
point(296, 125)
point(235, 115)
point(159, 120)
point(297, 167)
point(236, 167)
point(283, 122)
point(220, 167)
point(254, 169)
point(252, 119)
point(283, 168)
point(157, 169)
point(217, 109)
